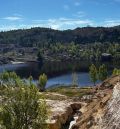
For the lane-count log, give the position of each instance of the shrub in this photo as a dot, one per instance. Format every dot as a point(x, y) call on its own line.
point(23, 108)
point(42, 82)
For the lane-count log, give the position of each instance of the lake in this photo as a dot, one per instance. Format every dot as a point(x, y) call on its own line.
point(66, 79)
point(59, 73)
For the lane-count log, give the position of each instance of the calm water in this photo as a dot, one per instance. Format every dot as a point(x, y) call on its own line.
point(58, 72)
point(66, 79)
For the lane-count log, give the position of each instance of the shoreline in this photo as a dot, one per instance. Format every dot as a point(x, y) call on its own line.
point(17, 62)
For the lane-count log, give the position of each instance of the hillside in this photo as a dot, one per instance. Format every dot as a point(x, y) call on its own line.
point(40, 36)
point(102, 111)
point(97, 110)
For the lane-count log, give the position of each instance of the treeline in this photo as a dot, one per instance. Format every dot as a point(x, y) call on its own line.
point(98, 74)
point(89, 52)
point(46, 36)
point(101, 73)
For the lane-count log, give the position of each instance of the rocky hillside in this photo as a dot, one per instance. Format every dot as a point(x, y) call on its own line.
point(93, 112)
point(111, 119)
point(102, 111)
point(97, 110)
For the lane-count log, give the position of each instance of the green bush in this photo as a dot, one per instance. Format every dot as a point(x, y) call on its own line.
point(42, 82)
point(21, 106)
point(24, 108)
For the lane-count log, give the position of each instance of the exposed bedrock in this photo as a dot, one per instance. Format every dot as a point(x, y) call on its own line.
point(61, 112)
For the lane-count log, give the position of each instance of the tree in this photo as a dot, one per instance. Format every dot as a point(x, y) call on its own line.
point(4, 76)
point(74, 79)
point(30, 80)
point(10, 78)
point(93, 73)
point(102, 73)
point(39, 56)
point(24, 108)
point(42, 82)
point(116, 72)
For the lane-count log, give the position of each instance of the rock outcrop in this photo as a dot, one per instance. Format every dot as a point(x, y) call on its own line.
point(61, 112)
point(99, 110)
point(111, 119)
point(102, 111)
point(92, 112)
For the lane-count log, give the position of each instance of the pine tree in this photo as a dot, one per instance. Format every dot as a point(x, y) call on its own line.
point(93, 73)
point(40, 57)
point(42, 82)
point(114, 71)
point(102, 73)
point(74, 79)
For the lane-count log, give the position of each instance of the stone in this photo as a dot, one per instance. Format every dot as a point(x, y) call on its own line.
point(61, 112)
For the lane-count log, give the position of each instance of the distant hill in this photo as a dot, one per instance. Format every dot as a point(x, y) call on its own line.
point(39, 36)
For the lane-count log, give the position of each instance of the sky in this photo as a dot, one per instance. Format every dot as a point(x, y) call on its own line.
point(58, 14)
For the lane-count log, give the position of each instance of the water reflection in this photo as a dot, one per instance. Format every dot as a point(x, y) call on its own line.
point(57, 72)
point(83, 79)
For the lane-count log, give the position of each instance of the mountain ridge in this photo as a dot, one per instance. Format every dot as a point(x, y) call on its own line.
point(38, 36)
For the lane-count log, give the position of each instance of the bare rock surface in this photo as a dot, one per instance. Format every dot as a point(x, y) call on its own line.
point(61, 112)
point(92, 113)
point(92, 108)
point(101, 111)
point(111, 119)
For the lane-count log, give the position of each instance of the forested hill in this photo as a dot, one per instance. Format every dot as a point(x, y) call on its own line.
point(39, 36)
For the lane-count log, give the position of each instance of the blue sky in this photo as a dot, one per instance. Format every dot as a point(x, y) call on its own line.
point(58, 14)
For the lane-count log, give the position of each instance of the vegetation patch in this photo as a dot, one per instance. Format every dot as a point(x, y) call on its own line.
point(21, 104)
point(71, 91)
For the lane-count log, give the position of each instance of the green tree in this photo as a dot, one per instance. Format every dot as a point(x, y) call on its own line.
point(102, 72)
point(39, 56)
point(93, 73)
point(10, 78)
point(116, 72)
point(30, 80)
point(42, 82)
point(74, 79)
point(24, 108)
point(5, 76)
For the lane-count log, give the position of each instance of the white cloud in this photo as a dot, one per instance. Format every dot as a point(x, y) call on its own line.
point(55, 26)
point(13, 18)
point(6, 28)
point(64, 23)
point(60, 24)
point(80, 14)
point(21, 26)
point(110, 23)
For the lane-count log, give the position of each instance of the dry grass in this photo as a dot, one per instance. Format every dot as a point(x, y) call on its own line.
point(71, 91)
